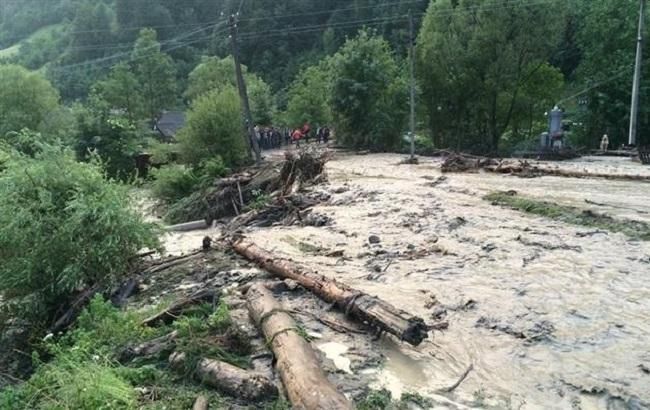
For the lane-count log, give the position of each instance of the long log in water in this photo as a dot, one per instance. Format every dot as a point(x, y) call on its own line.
point(306, 385)
point(368, 309)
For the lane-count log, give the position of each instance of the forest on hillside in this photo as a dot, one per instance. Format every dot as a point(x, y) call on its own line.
point(487, 71)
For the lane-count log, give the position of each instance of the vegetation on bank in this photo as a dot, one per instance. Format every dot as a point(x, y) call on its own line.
point(82, 369)
point(65, 228)
point(571, 215)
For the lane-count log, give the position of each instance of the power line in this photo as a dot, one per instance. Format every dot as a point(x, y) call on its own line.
point(619, 74)
point(347, 24)
point(122, 54)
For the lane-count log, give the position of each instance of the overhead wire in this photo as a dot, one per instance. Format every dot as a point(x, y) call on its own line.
point(123, 54)
point(292, 30)
point(448, 11)
point(612, 78)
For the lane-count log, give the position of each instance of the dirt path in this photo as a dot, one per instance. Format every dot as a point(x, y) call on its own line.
point(550, 315)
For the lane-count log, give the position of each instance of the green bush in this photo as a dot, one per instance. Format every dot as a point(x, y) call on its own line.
point(64, 228)
point(173, 182)
point(212, 168)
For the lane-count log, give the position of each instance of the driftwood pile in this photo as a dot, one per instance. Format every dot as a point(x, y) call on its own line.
point(286, 201)
point(523, 168)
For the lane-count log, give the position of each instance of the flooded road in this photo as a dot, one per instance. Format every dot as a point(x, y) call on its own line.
point(549, 315)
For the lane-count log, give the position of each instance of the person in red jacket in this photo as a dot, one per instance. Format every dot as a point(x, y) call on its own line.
point(296, 136)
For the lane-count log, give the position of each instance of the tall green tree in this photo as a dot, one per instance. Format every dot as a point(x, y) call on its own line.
point(214, 128)
point(121, 91)
point(26, 101)
point(214, 73)
point(90, 30)
point(473, 62)
point(309, 96)
point(607, 38)
point(155, 74)
point(369, 93)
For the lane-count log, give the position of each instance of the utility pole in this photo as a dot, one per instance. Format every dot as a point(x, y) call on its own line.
point(412, 64)
point(251, 140)
point(634, 110)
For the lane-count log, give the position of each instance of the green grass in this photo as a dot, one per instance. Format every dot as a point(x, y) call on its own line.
point(571, 215)
point(383, 400)
point(82, 372)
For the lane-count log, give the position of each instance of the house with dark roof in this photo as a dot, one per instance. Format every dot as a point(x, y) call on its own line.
point(168, 124)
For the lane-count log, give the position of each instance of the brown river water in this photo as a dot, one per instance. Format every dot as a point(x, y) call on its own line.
point(549, 315)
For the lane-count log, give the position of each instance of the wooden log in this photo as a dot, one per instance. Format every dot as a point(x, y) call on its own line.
point(305, 382)
point(174, 310)
point(201, 403)
point(150, 348)
point(365, 308)
point(229, 379)
point(188, 226)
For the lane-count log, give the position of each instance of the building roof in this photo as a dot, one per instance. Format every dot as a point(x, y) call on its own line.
point(169, 123)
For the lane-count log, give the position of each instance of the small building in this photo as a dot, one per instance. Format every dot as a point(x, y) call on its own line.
point(168, 125)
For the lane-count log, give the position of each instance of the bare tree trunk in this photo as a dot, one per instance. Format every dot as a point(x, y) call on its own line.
point(368, 309)
point(305, 382)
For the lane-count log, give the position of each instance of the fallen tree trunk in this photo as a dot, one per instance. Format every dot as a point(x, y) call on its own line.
point(229, 379)
point(201, 403)
point(368, 309)
point(174, 310)
point(305, 382)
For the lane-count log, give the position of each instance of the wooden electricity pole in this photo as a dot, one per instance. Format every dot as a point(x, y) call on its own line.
point(251, 140)
point(412, 64)
point(634, 109)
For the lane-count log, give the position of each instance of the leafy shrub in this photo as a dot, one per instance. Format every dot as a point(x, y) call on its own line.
point(173, 182)
point(64, 228)
point(212, 168)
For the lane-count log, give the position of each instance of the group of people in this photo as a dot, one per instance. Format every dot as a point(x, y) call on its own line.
point(272, 137)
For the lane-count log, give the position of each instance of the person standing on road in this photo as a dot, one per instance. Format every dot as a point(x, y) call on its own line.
point(296, 136)
point(604, 143)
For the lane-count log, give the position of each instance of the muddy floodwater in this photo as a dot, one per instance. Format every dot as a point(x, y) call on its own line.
point(549, 315)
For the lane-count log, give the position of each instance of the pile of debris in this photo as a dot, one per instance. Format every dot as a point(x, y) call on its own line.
point(286, 200)
point(523, 168)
